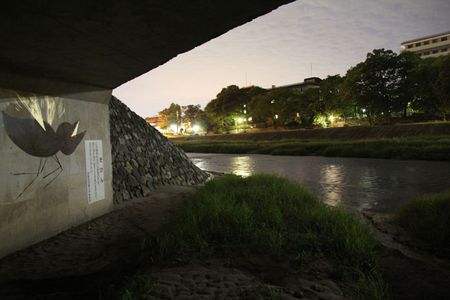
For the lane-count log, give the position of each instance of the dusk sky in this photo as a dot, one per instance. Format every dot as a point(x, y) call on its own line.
point(280, 47)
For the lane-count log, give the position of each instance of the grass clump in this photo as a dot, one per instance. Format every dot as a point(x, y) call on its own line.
point(428, 219)
point(265, 214)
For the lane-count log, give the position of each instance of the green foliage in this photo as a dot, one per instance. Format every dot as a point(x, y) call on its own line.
point(191, 113)
point(170, 115)
point(383, 86)
point(266, 214)
point(375, 83)
point(428, 219)
point(442, 85)
point(421, 147)
point(371, 287)
point(229, 105)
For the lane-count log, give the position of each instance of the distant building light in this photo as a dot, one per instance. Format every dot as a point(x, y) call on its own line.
point(276, 116)
point(250, 119)
point(245, 111)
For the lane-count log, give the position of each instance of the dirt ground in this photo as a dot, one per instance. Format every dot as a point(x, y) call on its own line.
point(412, 270)
point(86, 261)
point(74, 263)
point(101, 254)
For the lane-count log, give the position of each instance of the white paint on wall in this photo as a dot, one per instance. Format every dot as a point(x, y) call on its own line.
point(95, 177)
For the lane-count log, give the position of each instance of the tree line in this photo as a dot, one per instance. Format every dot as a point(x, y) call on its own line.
point(384, 87)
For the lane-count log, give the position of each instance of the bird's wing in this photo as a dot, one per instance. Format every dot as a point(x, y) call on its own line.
point(29, 136)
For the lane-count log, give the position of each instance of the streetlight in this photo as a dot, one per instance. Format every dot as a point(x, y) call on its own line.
point(174, 128)
point(196, 128)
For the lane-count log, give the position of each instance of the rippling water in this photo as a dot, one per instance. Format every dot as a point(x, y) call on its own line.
point(358, 183)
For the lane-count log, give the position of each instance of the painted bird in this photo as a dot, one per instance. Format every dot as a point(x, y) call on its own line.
point(40, 140)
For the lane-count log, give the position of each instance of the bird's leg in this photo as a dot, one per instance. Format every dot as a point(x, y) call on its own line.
point(55, 158)
point(37, 175)
point(34, 173)
point(60, 168)
point(43, 166)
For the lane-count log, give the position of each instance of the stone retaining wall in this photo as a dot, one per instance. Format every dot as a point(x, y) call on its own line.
point(143, 158)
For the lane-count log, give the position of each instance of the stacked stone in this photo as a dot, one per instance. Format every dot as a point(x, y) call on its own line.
point(143, 158)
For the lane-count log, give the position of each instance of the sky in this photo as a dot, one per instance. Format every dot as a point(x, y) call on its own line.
point(293, 42)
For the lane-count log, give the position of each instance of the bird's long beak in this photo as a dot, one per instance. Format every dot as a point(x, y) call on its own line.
point(75, 130)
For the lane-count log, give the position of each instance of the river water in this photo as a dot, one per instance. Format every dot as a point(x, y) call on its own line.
point(358, 183)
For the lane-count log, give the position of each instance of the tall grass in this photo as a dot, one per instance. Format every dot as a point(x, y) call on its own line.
point(264, 214)
point(428, 219)
point(422, 147)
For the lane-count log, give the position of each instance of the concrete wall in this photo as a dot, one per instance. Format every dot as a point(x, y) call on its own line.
point(43, 211)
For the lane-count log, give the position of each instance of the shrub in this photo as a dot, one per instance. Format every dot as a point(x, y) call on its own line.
point(428, 219)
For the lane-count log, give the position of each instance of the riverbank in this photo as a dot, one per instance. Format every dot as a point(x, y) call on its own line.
point(422, 141)
point(339, 133)
point(256, 238)
point(266, 222)
point(434, 148)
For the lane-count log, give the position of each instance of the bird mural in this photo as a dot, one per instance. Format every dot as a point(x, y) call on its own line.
point(28, 124)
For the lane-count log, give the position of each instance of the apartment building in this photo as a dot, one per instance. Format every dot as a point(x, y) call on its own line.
point(308, 83)
point(429, 46)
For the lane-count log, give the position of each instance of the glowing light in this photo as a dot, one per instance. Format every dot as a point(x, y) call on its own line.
point(331, 118)
point(250, 119)
point(173, 127)
point(276, 117)
point(239, 120)
point(363, 110)
point(196, 128)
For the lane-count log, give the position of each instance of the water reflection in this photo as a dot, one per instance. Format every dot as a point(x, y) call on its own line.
point(377, 184)
point(242, 166)
point(332, 182)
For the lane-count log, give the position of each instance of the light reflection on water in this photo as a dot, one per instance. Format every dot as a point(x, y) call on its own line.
point(377, 184)
point(333, 178)
point(242, 165)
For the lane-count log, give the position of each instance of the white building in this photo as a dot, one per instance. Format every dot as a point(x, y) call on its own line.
point(429, 46)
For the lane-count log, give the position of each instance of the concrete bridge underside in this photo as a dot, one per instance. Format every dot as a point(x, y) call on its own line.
point(59, 61)
point(103, 44)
